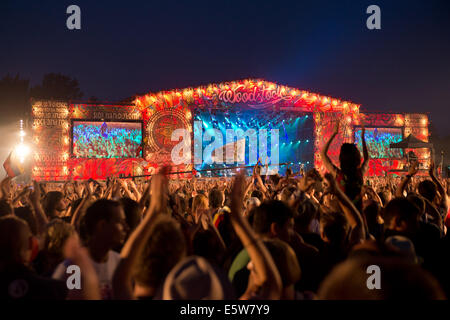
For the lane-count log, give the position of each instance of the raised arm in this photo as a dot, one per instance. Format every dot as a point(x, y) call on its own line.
point(405, 180)
point(85, 201)
point(35, 201)
point(268, 277)
point(135, 190)
point(324, 152)
point(352, 214)
point(370, 191)
point(133, 248)
point(443, 194)
point(365, 164)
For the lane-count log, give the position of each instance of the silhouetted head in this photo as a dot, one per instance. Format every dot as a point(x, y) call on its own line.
point(54, 203)
point(401, 215)
point(216, 198)
point(105, 221)
point(273, 218)
point(349, 157)
point(427, 189)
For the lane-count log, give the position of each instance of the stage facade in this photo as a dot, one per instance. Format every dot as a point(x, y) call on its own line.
point(208, 128)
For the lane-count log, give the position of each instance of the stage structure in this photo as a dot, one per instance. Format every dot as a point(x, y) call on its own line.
point(252, 118)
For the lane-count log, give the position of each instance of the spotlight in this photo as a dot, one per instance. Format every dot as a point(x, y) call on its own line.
point(22, 151)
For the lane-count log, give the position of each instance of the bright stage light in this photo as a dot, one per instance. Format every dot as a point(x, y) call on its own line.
point(22, 151)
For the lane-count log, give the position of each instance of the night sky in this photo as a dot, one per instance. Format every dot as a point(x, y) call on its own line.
point(130, 47)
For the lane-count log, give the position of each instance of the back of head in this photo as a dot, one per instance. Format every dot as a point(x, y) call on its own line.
point(335, 227)
point(165, 247)
point(26, 214)
point(427, 189)
point(14, 240)
point(200, 202)
point(206, 244)
point(132, 214)
point(371, 212)
point(257, 194)
point(304, 215)
point(100, 210)
point(418, 201)
point(216, 198)
point(349, 158)
point(400, 210)
point(399, 280)
point(56, 234)
point(285, 260)
point(273, 211)
point(51, 200)
point(194, 278)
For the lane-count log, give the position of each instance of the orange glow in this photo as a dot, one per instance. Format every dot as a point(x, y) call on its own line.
point(216, 92)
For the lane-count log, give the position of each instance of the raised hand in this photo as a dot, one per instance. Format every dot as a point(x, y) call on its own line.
point(88, 188)
point(414, 167)
point(237, 195)
point(336, 127)
point(432, 168)
point(35, 195)
point(159, 191)
point(78, 189)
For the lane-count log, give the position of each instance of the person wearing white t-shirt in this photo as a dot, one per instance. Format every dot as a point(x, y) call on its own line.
point(105, 228)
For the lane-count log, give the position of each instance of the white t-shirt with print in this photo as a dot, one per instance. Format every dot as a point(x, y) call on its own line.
point(104, 270)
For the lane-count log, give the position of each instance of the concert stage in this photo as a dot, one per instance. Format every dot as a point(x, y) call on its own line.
point(209, 128)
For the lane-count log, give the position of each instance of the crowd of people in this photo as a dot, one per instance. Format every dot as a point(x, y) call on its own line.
point(300, 236)
point(94, 141)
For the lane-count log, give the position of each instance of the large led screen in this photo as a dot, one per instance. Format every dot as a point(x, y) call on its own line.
point(95, 139)
point(378, 141)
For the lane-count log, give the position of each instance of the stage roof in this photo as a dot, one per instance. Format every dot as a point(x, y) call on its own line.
point(253, 93)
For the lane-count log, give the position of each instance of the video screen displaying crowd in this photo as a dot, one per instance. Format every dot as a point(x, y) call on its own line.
point(378, 141)
point(300, 236)
point(106, 140)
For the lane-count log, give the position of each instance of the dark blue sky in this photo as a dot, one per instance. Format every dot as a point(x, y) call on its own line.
point(129, 47)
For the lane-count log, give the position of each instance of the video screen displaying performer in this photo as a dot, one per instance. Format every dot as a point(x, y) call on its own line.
point(378, 141)
point(106, 139)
